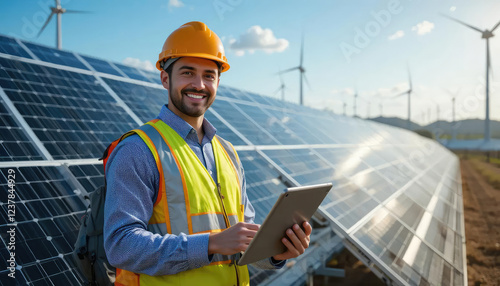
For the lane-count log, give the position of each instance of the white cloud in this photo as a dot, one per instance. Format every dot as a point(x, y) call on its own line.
point(453, 8)
point(175, 3)
point(256, 38)
point(145, 65)
point(423, 28)
point(397, 35)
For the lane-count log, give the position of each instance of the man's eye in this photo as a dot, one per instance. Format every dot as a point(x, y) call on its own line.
point(187, 73)
point(210, 76)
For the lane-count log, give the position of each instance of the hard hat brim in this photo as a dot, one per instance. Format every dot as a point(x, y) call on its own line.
point(224, 65)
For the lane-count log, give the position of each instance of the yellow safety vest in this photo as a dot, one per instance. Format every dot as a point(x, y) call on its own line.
point(189, 201)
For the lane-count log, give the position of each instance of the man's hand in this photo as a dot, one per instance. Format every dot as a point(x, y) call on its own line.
point(232, 240)
point(297, 242)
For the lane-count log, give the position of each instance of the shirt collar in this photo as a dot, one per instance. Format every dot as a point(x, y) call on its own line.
point(182, 127)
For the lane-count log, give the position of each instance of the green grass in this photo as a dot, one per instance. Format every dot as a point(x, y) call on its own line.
point(491, 176)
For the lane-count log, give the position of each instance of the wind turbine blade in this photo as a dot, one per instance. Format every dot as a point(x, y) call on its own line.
point(496, 26)
point(46, 23)
point(78, 12)
point(289, 70)
point(463, 23)
point(302, 50)
point(307, 82)
point(403, 93)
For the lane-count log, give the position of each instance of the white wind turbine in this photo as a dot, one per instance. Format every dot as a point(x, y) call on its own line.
point(59, 11)
point(486, 34)
point(302, 72)
point(408, 92)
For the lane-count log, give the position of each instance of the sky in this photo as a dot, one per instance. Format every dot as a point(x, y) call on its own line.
point(357, 45)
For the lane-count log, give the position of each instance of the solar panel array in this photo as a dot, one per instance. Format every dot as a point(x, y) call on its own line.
point(396, 204)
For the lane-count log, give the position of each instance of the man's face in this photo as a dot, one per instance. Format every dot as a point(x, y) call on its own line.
point(192, 86)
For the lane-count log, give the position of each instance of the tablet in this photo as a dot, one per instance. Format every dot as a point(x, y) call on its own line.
point(294, 206)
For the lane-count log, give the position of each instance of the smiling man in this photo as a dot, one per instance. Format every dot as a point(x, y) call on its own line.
point(177, 211)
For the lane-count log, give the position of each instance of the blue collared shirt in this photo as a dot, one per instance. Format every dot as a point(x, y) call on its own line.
point(132, 183)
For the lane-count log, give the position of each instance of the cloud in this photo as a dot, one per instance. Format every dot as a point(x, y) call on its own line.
point(137, 63)
point(175, 3)
point(453, 8)
point(397, 35)
point(423, 28)
point(256, 38)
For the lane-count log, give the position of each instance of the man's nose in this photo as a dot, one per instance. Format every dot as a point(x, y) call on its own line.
point(198, 83)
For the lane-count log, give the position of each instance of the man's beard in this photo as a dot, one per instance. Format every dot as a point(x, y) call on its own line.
point(178, 102)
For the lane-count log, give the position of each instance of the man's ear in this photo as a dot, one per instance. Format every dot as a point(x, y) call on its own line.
point(164, 79)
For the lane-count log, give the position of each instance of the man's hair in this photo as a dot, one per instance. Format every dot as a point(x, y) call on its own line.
point(168, 70)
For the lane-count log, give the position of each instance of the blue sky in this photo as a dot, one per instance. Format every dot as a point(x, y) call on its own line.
point(364, 44)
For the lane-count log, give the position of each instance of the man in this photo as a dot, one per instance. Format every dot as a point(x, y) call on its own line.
point(177, 212)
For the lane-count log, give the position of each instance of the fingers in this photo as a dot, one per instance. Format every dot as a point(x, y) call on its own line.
point(251, 226)
point(296, 246)
point(307, 228)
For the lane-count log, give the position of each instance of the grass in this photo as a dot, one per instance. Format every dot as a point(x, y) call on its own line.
point(490, 175)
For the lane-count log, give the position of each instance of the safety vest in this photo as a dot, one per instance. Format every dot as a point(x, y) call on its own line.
point(189, 201)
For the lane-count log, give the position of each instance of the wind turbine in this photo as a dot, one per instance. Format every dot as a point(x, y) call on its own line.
point(409, 99)
point(281, 88)
point(59, 11)
point(345, 105)
point(302, 72)
point(486, 34)
point(355, 106)
point(453, 127)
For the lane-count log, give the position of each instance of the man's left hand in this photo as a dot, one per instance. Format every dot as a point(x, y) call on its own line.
point(297, 241)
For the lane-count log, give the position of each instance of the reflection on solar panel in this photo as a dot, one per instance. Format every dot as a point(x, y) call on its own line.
point(396, 204)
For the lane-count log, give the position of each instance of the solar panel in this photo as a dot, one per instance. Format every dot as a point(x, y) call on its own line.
point(11, 46)
point(14, 144)
point(71, 113)
point(131, 72)
point(47, 212)
point(59, 57)
point(101, 66)
point(396, 204)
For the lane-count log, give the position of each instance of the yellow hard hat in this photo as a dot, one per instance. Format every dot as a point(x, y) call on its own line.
point(193, 39)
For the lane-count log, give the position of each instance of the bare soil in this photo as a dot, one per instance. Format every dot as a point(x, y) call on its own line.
point(482, 226)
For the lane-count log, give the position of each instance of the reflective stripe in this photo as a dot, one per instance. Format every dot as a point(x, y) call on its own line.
point(219, 257)
point(207, 222)
point(173, 183)
point(158, 228)
point(233, 219)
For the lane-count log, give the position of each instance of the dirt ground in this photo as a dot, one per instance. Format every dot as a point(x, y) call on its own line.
point(482, 232)
point(482, 226)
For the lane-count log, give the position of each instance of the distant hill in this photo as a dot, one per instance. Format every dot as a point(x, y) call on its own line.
point(396, 121)
point(466, 129)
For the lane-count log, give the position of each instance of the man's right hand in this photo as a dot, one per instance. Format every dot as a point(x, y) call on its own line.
point(232, 240)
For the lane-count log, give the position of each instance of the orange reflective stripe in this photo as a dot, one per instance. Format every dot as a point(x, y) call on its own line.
point(220, 262)
point(184, 185)
point(126, 278)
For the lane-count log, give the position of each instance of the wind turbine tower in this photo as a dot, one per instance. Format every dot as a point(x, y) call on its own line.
point(408, 92)
point(486, 34)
